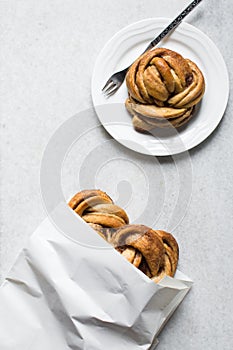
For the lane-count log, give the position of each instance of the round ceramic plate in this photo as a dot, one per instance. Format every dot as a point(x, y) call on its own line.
point(122, 49)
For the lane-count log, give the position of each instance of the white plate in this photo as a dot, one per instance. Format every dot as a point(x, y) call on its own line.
point(123, 49)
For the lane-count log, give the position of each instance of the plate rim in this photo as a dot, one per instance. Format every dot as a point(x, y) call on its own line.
point(185, 25)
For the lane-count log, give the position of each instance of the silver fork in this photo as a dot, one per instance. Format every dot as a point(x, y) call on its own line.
point(116, 80)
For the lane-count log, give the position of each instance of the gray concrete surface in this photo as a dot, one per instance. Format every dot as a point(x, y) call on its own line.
point(48, 51)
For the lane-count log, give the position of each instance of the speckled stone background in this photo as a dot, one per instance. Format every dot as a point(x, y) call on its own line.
point(48, 51)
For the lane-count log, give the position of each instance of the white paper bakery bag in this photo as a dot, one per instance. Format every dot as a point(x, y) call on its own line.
point(76, 292)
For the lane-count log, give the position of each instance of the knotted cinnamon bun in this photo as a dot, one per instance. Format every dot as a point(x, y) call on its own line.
point(98, 210)
point(153, 252)
point(163, 89)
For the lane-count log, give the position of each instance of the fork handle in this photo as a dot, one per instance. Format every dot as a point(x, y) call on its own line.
point(173, 24)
